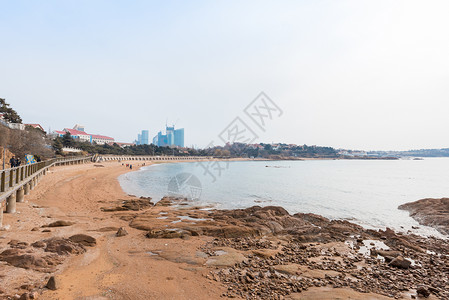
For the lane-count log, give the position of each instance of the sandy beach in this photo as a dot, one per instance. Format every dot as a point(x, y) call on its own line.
point(116, 268)
point(173, 251)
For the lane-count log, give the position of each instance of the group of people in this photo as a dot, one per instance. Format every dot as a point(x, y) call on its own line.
point(15, 162)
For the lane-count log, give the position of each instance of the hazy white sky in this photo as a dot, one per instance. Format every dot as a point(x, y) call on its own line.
point(350, 74)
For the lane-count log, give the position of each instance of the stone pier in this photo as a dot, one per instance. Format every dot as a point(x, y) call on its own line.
point(26, 188)
point(11, 204)
point(20, 195)
point(1, 214)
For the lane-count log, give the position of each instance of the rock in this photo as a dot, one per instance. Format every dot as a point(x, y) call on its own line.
point(430, 212)
point(63, 246)
point(16, 258)
point(106, 229)
point(59, 223)
point(38, 244)
point(35, 229)
point(17, 244)
point(167, 234)
point(83, 239)
point(290, 269)
point(400, 262)
point(385, 253)
point(227, 258)
point(53, 283)
point(46, 230)
point(422, 291)
point(121, 232)
point(133, 204)
point(27, 296)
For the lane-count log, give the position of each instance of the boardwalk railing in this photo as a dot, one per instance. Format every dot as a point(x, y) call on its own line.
point(100, 158)
point(17, 182)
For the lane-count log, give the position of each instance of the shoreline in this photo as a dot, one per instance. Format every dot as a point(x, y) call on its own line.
point(418, 228)
point(183, 252)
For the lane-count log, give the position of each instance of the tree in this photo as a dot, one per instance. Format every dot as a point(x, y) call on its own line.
point(57, 145)
point(67, 140)
point(9, 114)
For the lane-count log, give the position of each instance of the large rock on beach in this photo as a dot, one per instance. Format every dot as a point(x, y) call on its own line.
point(430, 212)
point(17, 258)
point(83, 239)
point(400, 262)
point(52, 283)
point(60, 223)
point(63, 246)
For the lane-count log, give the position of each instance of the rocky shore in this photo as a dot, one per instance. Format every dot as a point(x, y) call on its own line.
point(430, 212)
point(266, 253)
point(79, 237)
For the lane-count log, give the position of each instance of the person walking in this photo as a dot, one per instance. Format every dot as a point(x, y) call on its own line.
point(12, 161)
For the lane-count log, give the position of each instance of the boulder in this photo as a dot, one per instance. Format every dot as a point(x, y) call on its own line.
point(83, 239)
point(59, 223)
point(63, 246)
point(422, 291)
point(38, 244)
point(121, 232)
point(16, 258)
point(400, 262)
point(53, 283)
point(17, 244)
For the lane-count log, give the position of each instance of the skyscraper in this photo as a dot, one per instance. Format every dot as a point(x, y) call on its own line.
point(179, 137)
point(143, 138)
point(171, 137)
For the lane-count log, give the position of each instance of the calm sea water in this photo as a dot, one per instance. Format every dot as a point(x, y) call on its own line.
point(362, 191)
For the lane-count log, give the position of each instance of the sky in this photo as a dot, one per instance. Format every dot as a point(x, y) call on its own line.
point(369, 75)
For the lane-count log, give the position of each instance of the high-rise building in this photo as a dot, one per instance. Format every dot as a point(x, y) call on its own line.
point(179, 137)
point(172, 137)
point(143, 138)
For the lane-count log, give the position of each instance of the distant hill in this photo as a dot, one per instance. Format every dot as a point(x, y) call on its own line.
point(413, 153)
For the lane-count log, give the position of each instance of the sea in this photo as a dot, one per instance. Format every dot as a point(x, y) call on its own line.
point(366, 192)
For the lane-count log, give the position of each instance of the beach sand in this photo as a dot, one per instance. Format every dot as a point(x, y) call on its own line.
point(118, 267)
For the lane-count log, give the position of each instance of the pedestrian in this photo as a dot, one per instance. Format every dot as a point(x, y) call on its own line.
point(12, 161)
point(131, 167)
point(18, 162)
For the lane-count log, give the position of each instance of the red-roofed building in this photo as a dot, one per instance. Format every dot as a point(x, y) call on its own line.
point(101, 139)
point(83, 136)
point(37, 126)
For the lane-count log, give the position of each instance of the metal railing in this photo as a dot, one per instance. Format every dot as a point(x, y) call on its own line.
point(13, 178)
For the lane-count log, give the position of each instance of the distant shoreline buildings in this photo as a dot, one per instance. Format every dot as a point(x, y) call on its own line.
point(172, 137)
point(143, 138)
point(78, 133)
